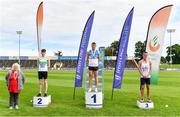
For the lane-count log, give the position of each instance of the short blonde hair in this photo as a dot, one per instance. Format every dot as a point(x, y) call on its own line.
point(16, 66)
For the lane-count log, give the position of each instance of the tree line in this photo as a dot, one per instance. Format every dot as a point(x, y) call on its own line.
point(141, 46)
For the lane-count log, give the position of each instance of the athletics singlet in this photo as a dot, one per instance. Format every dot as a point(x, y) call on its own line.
point(43, 64)
point(145, 67)
point(93, 58)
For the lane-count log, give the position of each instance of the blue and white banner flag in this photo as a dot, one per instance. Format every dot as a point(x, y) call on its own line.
point(122, 51)
point(82, 50)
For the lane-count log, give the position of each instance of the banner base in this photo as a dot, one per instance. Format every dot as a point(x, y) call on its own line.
point(145, 105)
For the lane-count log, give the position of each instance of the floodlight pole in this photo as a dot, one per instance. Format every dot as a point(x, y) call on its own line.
point(19, 33)
point(170, 31)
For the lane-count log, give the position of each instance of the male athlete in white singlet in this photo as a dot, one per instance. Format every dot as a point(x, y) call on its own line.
point(43, 73)
point(145, 71)
point(93, 59)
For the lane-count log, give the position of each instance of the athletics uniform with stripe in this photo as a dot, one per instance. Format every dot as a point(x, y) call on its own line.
point(43, 68)
point(93, 60)
point(145, 68)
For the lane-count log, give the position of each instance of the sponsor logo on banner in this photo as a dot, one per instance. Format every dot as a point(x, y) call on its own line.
point(154, 44)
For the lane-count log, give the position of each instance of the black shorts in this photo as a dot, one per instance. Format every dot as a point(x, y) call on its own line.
point(144, 81)
point(42, 75)
point(93, 68)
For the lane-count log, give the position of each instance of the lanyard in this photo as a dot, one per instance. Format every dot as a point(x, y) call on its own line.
point(93, 53)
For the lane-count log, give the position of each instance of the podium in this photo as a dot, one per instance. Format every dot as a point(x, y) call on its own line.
point(94, 99)
point(41, 101)
point(145, 105)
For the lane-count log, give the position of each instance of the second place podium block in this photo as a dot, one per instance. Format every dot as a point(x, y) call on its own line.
point(41, 101)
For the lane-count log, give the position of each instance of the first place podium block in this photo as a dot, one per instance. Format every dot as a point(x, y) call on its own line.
point(41, 101)
point(145, 105)
point(94, 99)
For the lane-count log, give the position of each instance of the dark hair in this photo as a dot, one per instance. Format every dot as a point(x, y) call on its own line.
point(93, 43)
point(145, 52)
point(43, 50)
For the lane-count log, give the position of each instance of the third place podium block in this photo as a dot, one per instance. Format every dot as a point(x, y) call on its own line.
point(145, 105)
point(94, 99)
point(41, 101)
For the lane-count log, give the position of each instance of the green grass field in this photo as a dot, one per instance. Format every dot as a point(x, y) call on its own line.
point(169, 66)
point(61, 83)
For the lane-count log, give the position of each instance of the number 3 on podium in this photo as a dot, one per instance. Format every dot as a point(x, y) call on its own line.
point(94, 97)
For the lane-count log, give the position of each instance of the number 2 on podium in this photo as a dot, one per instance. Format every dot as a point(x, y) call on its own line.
point(39, 101)
point(94, 97)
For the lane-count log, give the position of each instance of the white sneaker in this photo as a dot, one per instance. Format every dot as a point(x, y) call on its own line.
point(141, 100)
point(16, 107)
point(10, 107)
point(149, 100)
point(89, 90)
point(96, 90)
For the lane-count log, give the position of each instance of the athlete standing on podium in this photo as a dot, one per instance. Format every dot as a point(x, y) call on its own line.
point(145, 70)
point(93, 59)
point(43, 73)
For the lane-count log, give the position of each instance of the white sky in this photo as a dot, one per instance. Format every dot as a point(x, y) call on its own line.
point(64, 21)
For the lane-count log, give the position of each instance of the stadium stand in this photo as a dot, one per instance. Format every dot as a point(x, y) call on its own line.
point(30, 62)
